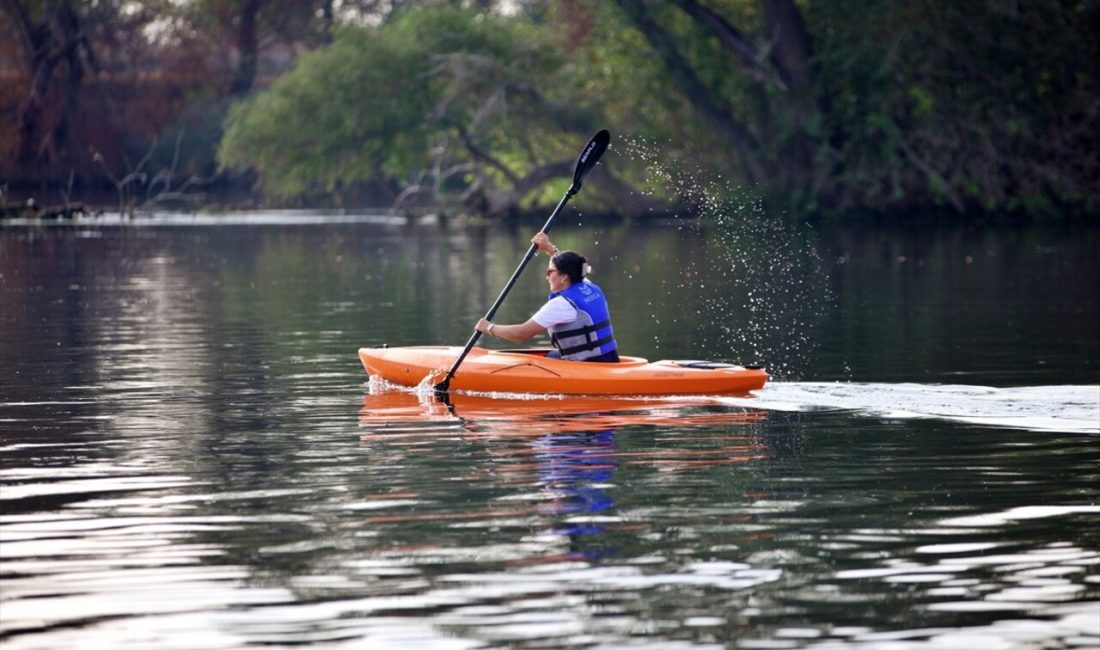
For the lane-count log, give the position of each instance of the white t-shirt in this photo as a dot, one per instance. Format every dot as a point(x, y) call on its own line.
point(556, 311)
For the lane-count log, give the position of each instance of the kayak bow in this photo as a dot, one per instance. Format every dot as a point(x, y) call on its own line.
point(531, 371)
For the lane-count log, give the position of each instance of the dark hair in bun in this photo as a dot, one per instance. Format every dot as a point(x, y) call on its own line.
point(572, 264)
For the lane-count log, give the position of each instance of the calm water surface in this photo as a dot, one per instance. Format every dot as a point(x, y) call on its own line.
point(191, 456)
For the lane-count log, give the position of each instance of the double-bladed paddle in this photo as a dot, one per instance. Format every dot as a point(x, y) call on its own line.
point(587, 161)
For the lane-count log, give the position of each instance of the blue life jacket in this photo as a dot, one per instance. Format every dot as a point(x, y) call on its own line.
point(589, 335)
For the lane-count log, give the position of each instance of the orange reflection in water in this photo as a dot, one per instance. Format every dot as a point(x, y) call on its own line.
point(405, 418)
point(537, 415)
point(562, 455)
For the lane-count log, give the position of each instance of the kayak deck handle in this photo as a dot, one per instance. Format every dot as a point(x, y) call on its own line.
point(704, 365)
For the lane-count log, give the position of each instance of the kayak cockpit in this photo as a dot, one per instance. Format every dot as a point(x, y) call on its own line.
point(624, 361)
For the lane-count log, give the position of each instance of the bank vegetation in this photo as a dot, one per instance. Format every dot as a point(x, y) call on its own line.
point(480, 107)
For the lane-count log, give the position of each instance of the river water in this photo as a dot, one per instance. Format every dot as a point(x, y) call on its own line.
point(191, 455)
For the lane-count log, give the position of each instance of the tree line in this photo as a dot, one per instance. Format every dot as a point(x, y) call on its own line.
point(480, 106)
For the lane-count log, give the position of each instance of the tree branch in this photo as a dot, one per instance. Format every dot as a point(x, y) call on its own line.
point(484, 156)
point(733, 40)
point(25, 26)
point(694, 89)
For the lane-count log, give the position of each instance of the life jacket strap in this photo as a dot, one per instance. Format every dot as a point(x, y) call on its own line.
point(593, 345)
point(580, 331)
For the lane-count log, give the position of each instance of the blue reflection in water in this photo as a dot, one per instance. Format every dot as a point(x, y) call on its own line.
point(578, 466)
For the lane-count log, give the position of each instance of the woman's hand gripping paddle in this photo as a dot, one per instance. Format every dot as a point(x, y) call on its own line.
point(589, 157)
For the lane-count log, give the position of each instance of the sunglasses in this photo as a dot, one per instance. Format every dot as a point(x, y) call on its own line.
point(549, 271)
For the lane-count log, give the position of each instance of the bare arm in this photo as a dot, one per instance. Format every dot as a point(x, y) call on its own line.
point(520, 332)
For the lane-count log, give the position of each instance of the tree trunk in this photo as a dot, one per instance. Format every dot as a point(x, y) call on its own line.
point(71, 28)
point(328, 20)
point(792, 51)
point(247, 47)
point(792, 54)
point(47, 44)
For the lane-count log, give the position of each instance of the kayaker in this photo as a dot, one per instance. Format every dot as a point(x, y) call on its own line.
point(575, 315)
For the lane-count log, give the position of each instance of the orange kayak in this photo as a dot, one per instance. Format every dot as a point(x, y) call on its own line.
point(531, 371)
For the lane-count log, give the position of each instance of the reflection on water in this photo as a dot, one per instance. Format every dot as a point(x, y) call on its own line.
point(190, 457)
point(563, 450)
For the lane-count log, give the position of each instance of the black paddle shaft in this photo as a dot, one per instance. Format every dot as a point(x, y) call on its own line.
point(588, 159)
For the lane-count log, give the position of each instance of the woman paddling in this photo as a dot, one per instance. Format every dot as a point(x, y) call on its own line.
point(575, 315)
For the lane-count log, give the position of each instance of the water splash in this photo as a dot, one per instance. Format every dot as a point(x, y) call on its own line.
point(772, 295)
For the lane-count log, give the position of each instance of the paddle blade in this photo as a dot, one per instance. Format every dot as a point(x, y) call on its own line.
point(589, 157)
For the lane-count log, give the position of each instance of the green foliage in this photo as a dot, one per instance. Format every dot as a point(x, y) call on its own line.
point(981, 106)
point(406, 98)
point(332, 119)
point(916, 103)
point(977, 106)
